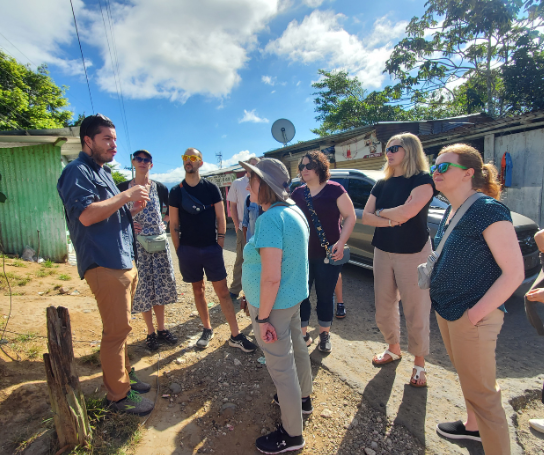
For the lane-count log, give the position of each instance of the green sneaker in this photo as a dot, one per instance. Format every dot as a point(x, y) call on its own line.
point(136, 384)
point(133, 403)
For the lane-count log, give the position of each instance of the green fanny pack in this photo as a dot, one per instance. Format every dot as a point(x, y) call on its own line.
point(153, 243)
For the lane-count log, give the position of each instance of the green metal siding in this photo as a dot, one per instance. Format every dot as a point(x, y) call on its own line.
point(29, 180)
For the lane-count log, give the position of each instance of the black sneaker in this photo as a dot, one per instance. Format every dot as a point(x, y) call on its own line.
point(152, 342)
point(205, 338)
point(133, 403)
point(279, 441)
point(340, 311)
point(240, 341)
point(308, 339)
point(457, 430)
point(136, 384)
point(165, 336)
point(324, 342)
point(306, 404)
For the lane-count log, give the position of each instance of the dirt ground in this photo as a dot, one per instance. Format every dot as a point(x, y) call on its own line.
point(223, 396)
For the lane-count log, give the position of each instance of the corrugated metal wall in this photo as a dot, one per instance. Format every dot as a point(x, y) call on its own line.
point(29, 180)
point(362, 164)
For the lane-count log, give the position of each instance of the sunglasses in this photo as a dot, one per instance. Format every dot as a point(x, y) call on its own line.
point(310, 166)
point(393, 148)
point(193, 158)
point(139, 159)
point(443, 167)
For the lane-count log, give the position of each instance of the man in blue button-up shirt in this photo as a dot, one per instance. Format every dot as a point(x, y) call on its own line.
point(100, 226)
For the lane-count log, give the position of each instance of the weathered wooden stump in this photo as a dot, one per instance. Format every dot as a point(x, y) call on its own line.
point(67, 400)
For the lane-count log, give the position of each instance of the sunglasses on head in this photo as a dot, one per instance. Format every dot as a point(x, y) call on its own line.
point(393, 148)
point(310, 166)
point(443, 167)
point(139, 159)
point(193, 158)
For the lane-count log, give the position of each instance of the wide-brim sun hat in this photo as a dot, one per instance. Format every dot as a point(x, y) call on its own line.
point(274, 173)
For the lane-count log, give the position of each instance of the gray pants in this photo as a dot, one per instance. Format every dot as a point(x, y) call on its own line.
point(288, 363)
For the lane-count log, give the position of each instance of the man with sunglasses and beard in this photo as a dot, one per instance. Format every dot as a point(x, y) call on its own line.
point(196, 205)
point(100, 225)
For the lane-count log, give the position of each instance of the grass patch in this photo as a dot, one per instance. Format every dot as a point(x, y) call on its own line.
point(49, 264)
point(91, 359)
point(24, 337)
point(64, 277)
point(14, 294)
point(24, 281)
point(18, 263)
point(33, 352)
point(57, 287)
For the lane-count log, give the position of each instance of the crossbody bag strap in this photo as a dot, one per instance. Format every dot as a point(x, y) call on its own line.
point(456, 218)
point(315, 220)
point(193, 199)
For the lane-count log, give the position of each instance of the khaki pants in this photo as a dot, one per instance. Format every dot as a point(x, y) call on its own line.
point(114, 290)
point(395, 277)
point(288, 363)
point(472, 353)
point(236, 285)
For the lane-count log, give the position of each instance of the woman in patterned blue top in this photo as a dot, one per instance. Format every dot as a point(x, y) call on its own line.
point(275, 281)
point(480, 267)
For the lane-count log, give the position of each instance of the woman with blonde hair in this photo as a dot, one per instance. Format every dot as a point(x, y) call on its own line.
point(478, 270)
point(398, 206)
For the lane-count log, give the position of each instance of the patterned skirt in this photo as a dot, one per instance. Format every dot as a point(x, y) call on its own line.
point(156, 280)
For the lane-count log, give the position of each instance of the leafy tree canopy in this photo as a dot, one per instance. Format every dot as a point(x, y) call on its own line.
point(117, 176)
point(462, 39)
point(30, 99)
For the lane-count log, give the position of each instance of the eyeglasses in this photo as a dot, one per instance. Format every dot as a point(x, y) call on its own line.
point(193, 158)
point(143, 160)
point(310, 166)
point(443, 167)
point(393, 148)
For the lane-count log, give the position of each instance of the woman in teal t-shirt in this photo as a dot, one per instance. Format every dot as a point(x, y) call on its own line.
point(275, 281)
point(478, 270)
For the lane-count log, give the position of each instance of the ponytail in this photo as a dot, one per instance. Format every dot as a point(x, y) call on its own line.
point(485, 177)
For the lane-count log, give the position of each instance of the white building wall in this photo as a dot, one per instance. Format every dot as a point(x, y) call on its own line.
point(526, 195)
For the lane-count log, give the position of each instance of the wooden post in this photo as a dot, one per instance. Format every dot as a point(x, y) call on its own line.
point(67, 400)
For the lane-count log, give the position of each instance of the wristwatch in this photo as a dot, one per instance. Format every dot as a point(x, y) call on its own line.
point(262, 321)
point(377, 213)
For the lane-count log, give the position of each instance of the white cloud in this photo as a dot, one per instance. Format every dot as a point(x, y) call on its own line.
point(251, 116)
point(320, 37)
point(273, 91)
point(268, 80)
point(313, 3)
point(166, 48)
point(298, 83)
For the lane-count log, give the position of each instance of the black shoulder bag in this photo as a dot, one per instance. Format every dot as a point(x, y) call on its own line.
point(321, 233)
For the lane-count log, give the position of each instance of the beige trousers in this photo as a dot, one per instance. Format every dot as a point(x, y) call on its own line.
point(236, 285)
point(114, 290)
point(395, 278)
point(472, 353)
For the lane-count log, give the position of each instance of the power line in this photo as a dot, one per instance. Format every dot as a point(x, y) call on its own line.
point(82, 57)
point(116, 77)
point(18, 50)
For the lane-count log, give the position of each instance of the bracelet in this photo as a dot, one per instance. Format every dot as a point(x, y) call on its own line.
point(262, 321)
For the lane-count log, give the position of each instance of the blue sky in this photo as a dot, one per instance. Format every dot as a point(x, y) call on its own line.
point(210, 74)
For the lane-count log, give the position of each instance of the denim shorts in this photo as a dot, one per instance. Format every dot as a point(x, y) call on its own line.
point(194, 261)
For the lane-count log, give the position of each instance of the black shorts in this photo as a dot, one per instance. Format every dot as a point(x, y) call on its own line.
point(194, 261)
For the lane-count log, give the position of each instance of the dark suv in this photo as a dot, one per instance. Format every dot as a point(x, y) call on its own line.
point(358, 185)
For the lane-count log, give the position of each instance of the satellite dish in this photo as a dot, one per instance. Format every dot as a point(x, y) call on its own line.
point(283, 131)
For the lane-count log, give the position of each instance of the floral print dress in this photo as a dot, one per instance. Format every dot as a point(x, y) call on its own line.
point(156, 280)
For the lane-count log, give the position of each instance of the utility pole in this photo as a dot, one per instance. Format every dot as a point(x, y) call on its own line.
point(219, 157)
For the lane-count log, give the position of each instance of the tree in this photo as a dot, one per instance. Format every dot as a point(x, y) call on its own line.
point(117, 176)
point(30, 99)
point(462, 39)
point(342, 103)
point(523, 77)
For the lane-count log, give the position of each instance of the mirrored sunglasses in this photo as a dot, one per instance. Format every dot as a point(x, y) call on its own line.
point(193, 158)
point(393, 148)
point(443, 167)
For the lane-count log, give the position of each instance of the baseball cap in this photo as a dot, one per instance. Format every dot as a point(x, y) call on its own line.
point(275, 175)
point(137, 152)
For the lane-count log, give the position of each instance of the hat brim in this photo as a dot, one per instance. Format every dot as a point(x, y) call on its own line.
point(264, 177)
point(142, 151)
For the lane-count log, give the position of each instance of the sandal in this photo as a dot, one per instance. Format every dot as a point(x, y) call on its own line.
point(379, 360)
point(415, 377)
point(151, 342)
